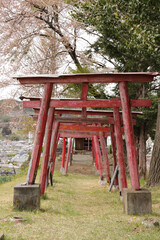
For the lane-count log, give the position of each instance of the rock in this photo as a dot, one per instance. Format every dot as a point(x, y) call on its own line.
point(12, 156)
point(20, 158)
point(149, 222)
point(22, 153)
point(10, 165)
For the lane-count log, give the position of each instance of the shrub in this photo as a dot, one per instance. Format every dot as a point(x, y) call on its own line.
point(5, 179)
point(110, 149)
point(6, 131)
point(14, 137)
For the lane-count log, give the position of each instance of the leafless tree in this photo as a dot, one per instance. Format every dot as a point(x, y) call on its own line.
point(37, 37)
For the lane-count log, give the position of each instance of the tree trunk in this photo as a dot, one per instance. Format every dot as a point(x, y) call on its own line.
point(55, 26)
point(154, 172)
point(142, 151)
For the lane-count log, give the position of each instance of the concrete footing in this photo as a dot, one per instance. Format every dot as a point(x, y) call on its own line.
point(137, 202)
point(26, 197)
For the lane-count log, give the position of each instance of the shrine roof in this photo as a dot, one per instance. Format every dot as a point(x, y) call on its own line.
point(88, 78)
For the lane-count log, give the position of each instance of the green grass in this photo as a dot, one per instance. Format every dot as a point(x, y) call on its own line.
point(9, 178)
point(5, 179)
point(75, 208)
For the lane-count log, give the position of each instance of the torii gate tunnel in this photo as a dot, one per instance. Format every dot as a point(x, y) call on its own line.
point(51, 121)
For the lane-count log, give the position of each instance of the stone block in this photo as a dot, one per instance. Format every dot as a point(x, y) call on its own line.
point(137, 202)
point(26, 197)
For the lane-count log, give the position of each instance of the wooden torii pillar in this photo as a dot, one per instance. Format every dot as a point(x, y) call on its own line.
point(46, 153)
point(40, 130)
point(120, 153)
point(105, 157)
point(63, 154)
point(129, 134)
point(112, 133)
point(124, 102)
point(68, 155)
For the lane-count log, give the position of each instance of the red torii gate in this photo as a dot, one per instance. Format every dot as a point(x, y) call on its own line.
point(71, 127)
point(74, 124)
point(46, 103)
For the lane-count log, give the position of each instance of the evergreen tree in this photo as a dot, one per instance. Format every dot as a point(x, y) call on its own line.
point(128, 33)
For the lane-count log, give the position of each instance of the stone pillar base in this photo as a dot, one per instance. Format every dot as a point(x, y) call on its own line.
point(26, 197)
point(137, 202)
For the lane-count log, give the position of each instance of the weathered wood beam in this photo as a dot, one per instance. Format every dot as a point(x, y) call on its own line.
point(105, 157)
point(129, 134)
point(120, 152)
point(88, 78)
point(93, 152)
point(46, 150)
point(40, 130)
point(74, 134)
point(68, 155)
point(86, 120)
point(85, 128)
point(98, 156)
point(89, 112)
point(113, 142)
point(54, 145)
point(84, 97)
point(108, 120)
point(89, 103)
point(54, 157)
point(63, 152)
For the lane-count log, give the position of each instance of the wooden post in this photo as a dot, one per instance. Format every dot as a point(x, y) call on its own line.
point(46, 151)
point(84, 97)
point(105, 157)
point(63, 152)
point(40, 130)
point(114, 151)
point(99, 157)
point(68, 155)
point(72, 149)
point(54, 157)
point(128, 127)
point(54, 144)
point(96, 156)
point(119, 142)
point(93, 152)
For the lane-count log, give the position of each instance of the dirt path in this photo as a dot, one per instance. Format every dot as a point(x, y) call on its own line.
point(81, 164)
